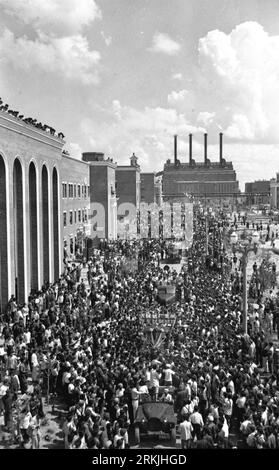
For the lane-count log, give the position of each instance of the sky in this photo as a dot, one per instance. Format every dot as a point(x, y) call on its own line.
point(124, 76)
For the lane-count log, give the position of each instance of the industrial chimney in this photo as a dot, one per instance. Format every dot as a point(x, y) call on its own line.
point(221, 147)
point(175, 149)
point(205, 149)
point(190, 149)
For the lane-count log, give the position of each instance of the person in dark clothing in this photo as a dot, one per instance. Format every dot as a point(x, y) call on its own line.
point(8, 404)
point(22, 375)
point(206, 441)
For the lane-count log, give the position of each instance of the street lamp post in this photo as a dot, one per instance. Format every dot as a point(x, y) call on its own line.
point(245, 248)
point(206, 234)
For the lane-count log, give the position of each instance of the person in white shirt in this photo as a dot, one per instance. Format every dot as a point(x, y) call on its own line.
point(120, 390)
point(25, 313)
point(197, 422)
point(3, 389)
point(24, 422)
point(27, 337)
point(34, 427)
point(231, 386)
point(35, 366)
point(187, 408)
point(71, 386)
point(143, 388)
point(186, 430)
point(154, 381)
point(245, 425)
point(168, 375)
point(135, 399)
point(228, 407)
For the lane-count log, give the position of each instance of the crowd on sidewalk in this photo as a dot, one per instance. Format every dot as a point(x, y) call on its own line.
point(88, 348)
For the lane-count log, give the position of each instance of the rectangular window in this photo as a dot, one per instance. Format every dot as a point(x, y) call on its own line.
point(64, 219)
point(88, 191)
point(85, 215)
point(82, 191)
point(85, 187)
point(82, 215)
point(79, 215)
point(64, 190)
point(71, 218)
point(71, 190)
point(78, 190)
point(75, 190)
point(75, 217)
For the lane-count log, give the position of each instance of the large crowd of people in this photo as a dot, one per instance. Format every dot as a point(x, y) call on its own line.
point(85, 344)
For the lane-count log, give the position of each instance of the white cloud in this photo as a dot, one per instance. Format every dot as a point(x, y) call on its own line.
point(107, 39)
point(241, 81)
point(177, 96)
point(68, 57)
point(148, 132)
point(205, 117)
point(164, 44)
point(62, 17)
point(177, 76)
point(74, 150)
point(240, 128)
point(248, 160)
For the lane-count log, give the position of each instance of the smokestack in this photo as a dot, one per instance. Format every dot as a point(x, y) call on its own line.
point(221, 147)
point(205, 148)
point(175, 149)
point(190, 149)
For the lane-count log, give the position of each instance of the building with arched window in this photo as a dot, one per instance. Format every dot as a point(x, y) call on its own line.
point(33, 205)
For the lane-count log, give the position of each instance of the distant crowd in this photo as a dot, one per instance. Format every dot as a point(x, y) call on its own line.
point(83, 343)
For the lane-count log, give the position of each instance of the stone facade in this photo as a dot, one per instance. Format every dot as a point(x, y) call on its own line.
point(199, 180)
point(103, 203)
point(147, 188)
point(32, 169)
point(274, 192)
point(75, 204)
point(258, 192)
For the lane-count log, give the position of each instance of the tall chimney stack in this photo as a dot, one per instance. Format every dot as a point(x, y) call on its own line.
point(190, 149)
point(205, 148)
point(221, 147)
point(175, 149)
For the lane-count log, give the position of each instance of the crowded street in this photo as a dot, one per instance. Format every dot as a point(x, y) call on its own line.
point(86, 355)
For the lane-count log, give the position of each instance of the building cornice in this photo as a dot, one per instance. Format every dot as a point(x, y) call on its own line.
point(103, 163)
point(128, 168)
point(206, 182)
point(17, 125)
point(75, 159)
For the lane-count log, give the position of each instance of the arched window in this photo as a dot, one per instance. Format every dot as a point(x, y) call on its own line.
point(3, 238)
point(18, 213)
point(45, 215)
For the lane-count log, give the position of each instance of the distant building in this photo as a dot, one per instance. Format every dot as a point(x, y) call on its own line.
point(258, 192)
point(207, 180)
point(148, 188)
point(128, 191)
point(75, 205)
point(128, 183)
point(103, 202)
point(158, 190)
point(42, 190)
point(274, 192)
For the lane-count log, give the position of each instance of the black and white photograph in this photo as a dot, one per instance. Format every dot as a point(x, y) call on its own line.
point(139, 229)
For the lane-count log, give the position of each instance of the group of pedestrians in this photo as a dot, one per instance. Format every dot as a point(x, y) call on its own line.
point(85, 345)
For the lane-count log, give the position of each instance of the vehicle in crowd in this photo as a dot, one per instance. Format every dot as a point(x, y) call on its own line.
point(155, 418)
